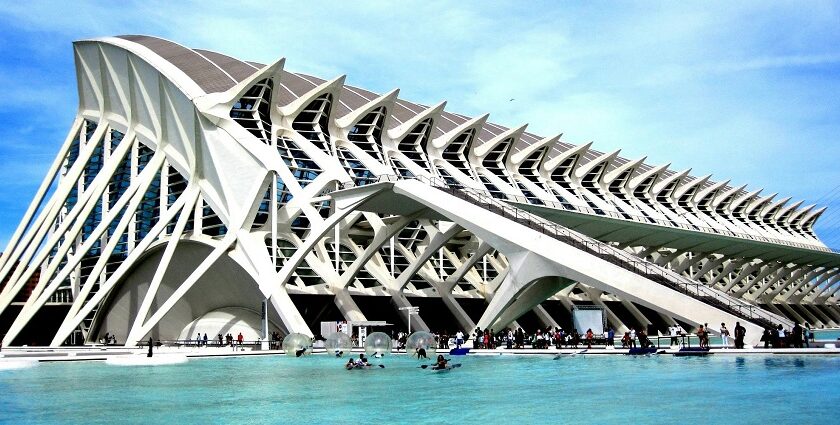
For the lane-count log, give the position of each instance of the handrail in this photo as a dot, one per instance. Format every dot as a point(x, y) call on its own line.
point(604, 251)
point(622, 215)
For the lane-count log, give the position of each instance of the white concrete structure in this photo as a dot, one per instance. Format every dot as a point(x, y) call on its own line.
point(193, 186)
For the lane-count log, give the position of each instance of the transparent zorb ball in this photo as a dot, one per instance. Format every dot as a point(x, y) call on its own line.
point(421, 340)
point(296, 344)
point(378, 344)
point(338, 343)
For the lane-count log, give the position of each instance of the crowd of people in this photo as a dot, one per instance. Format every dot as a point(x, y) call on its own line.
point(227, 340)
point(797, 337)
point(778, 337)
point(557, 337)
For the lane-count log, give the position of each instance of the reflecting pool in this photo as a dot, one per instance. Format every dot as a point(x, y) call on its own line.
point(488, 389)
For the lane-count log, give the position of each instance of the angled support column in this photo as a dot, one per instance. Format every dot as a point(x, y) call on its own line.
point(544, 317)
point(518, 292)
point(347, 306)
point(727, 269)
point(289, 315)
point(796, 275)
point(711, 265)
point(780, 274)
point(819, 290)
point(792, 297)
point(821, 317)
point(832, 312)
point(460, 315)
point(790, 312)
point(814, 274)
point(400, 301)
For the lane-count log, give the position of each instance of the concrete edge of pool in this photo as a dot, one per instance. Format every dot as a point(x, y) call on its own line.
point(103, 353)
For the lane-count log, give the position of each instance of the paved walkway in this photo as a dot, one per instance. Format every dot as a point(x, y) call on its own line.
point(44, 354)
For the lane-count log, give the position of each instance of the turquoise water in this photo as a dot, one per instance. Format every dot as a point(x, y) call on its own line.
point(503, 389)
point(827, 334)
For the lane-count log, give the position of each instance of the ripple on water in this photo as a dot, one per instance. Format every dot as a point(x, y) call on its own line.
point(279, 389)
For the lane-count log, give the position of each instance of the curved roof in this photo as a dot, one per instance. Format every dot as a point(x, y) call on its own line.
point(216, 72)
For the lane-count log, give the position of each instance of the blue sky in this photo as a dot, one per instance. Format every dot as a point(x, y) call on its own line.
point(746, 91)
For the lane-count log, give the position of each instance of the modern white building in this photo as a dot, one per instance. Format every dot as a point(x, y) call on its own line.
point(194, 189)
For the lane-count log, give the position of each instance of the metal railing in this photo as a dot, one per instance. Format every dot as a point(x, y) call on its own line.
point(617, 215)
point(613, 255)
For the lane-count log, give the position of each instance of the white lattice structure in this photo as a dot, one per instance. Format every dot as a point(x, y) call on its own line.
point(192, 186)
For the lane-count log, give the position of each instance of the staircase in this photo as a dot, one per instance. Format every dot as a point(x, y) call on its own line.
point(616, 256)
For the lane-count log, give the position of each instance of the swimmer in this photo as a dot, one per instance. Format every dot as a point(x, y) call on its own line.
point(441, 362)
point(350, 364)
point(362, 362)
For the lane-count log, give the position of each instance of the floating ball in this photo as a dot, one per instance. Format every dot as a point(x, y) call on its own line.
point(421, 339)
point(297, 345)
point(377, 343)
point(337, 342)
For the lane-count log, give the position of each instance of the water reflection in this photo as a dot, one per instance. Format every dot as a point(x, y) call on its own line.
point(776, 362)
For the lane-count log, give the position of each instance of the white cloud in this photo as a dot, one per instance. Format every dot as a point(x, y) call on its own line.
point(741, 90)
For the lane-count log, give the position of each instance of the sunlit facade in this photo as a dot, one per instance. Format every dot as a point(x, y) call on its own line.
point(194, 187)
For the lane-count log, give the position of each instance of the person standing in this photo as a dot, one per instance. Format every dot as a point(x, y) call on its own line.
point(701, 334)
point(724, 335)
point(796, 336)
point(807, 335)
point(459, 339)
point(740, 332)
point(781, 336)
point(611, 337)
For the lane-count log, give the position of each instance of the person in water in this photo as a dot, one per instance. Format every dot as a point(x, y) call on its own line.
point(350, 364)
point(362, 362)
point(441, 362)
